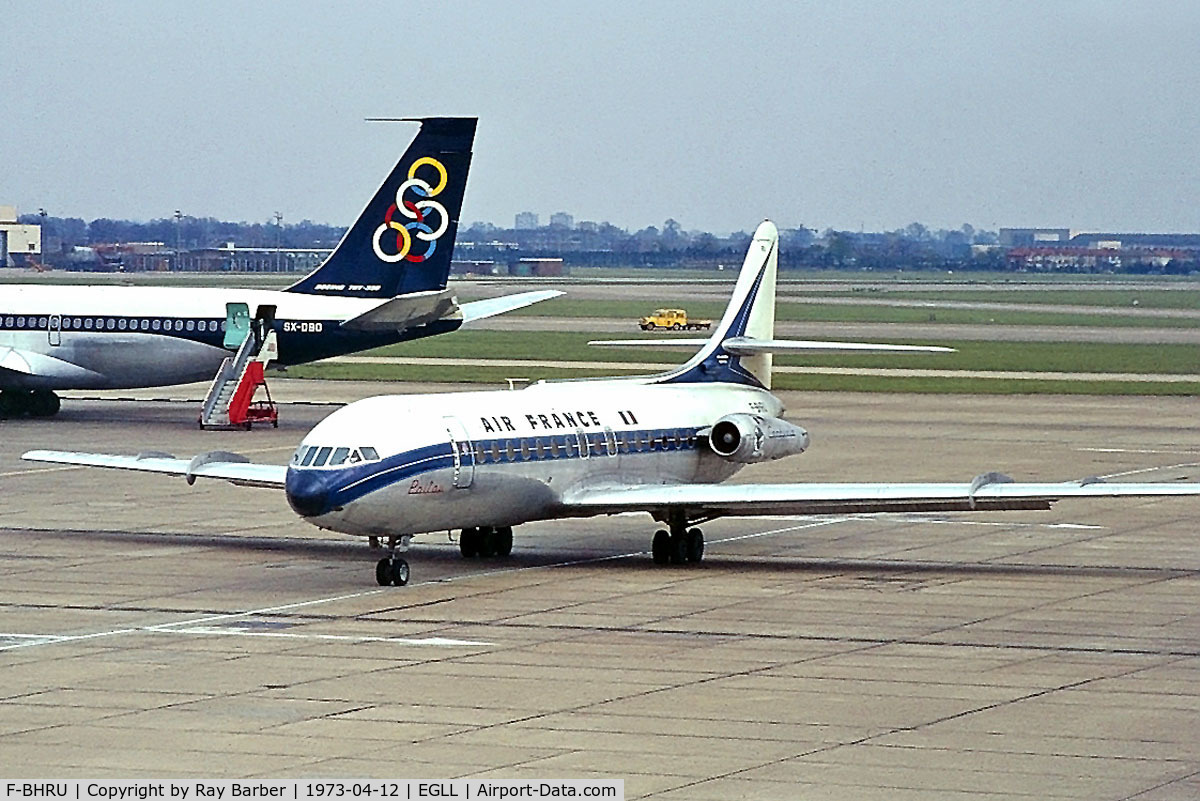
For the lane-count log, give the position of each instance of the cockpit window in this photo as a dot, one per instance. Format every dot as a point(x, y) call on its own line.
point(309, 454)
point(299, 454)
point(322, 457)
point(339, 457)
point(370, 454)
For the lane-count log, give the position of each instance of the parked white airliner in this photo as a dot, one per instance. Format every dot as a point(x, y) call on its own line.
point(385, 282)
point(483, 462)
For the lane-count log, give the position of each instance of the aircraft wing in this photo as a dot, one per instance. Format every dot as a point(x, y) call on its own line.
point(231, 467)
point(421, 308)
point(479, 309)
point(991, 491)
point(406, 311)
point(26, 362)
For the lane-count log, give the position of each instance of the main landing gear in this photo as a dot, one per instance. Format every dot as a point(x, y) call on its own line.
point(392, 569)
point(678, 546)
point(485, 542)
point(35, 403)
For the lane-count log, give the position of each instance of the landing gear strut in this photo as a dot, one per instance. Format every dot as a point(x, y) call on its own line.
point(485, 542)
point(392, 569)
point(35, 403)
point(679, 545)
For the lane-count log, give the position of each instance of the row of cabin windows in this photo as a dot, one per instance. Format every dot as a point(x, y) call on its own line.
point(522, 450)
point(571, 446)
point(320, 456)
point(114, 324)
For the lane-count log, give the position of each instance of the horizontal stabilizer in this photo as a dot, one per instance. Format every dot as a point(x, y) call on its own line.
point(479, 309)
point(406, 311)
point(229, 467)
point(749, 345)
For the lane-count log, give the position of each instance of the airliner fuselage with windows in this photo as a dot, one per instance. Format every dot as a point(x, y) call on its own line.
point(102, 337)
point(385, 282)
point(516, 452)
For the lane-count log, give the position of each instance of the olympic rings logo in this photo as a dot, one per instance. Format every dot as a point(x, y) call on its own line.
point(418, 213)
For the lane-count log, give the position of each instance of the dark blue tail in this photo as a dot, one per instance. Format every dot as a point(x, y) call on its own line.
point(403, 240)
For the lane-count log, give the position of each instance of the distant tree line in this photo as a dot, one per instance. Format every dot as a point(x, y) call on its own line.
point(587, 244)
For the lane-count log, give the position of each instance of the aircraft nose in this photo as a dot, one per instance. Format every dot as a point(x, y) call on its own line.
point(308, 492)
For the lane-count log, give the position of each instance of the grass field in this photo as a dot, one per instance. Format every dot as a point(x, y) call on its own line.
point(1084, 357)
point(1048, 357)
point(631, 310)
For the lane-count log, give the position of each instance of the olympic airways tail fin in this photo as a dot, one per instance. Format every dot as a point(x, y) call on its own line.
point(404, 239)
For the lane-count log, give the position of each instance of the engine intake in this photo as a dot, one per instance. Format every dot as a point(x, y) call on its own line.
point(749, 438)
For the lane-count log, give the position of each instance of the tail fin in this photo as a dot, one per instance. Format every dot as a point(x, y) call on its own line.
point(403, 240)
point(750, 314)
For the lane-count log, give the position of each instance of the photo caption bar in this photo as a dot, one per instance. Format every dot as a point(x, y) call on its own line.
point(313, 789)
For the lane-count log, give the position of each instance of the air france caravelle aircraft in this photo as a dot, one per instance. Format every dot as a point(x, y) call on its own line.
point(483, 462)
point(385, 282)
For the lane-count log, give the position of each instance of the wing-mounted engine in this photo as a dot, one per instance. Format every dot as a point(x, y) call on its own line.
point(749, 438)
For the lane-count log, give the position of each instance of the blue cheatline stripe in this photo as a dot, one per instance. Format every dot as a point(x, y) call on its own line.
point(343, 485)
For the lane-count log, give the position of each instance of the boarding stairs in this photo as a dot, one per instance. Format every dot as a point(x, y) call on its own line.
point(230, 400)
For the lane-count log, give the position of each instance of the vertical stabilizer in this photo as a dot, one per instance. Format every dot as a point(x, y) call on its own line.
point(404, 239)
point(750, 314)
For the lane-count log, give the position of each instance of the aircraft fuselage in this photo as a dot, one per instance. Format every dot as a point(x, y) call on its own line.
point(104, 337)
point(499, 458)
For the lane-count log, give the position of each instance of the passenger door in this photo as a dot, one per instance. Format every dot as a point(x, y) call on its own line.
point(464, 455)
point(237, 325)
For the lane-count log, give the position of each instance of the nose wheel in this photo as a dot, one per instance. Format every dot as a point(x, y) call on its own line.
point(392, 569)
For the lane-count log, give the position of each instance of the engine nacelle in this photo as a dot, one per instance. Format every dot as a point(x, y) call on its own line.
point(749, 438)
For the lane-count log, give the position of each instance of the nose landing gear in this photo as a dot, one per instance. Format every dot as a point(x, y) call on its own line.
point(392, 569)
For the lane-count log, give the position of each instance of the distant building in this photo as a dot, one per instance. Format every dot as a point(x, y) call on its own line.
point(141, 257)
point(538, 268)
point(17, 242)
point(560, 219)
point(1029, 237)
point(526, 221)
point(1062, 250)
point(473, 267)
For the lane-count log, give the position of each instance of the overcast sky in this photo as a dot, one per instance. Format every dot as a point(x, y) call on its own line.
point(848, 115)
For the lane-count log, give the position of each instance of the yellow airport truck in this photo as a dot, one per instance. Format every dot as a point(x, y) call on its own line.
point(674, 319)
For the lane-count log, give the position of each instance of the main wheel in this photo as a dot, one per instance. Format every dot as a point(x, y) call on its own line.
point(679, 548)
point(383, 572)
point(43, 403)
point(675, 326)
point(504, 541)
point(695, 545)
point(660, 547)
point(649, 326)
point(488, 546)
point(399, 572)
point(13, 403)
point(468, 542)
